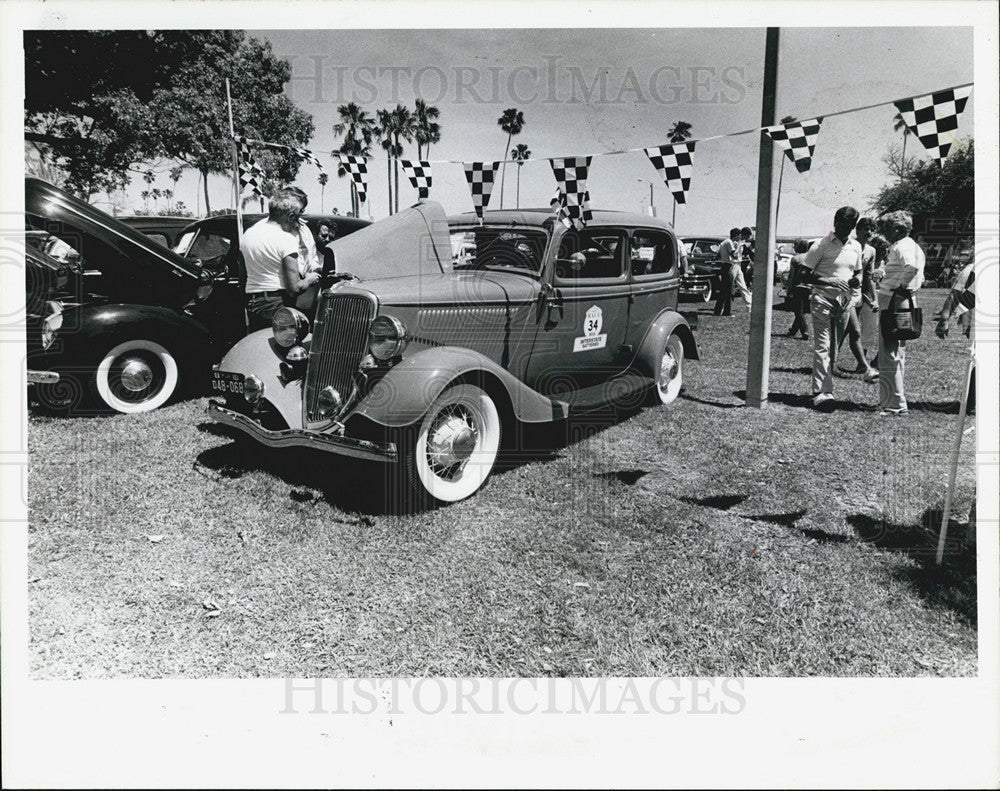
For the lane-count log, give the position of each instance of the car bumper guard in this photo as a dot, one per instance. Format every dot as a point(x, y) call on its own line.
point(344, 446)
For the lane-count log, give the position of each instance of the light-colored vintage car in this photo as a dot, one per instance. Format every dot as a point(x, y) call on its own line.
point(436, 338)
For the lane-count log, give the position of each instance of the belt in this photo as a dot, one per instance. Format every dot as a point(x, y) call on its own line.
point(278, 293)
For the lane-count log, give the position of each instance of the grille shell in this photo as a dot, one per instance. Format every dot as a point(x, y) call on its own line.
point(340, 340)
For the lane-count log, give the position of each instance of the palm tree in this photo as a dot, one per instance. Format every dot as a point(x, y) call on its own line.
point(323, 179)
point(175, 176)
point(897, 124)
point(511, 122)
point(383, 132)
point(520, 154)
point(156, 193)
point(788, 119)
point(145, 199)
point(426, 129)
point(168, 195)
point(358, 129)
point(678, 133)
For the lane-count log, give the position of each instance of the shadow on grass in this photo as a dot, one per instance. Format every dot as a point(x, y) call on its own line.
point(720, 404)
point(802, 369)
point(805, 401)
point(628, 477)
point(721, 502)
point(953, 583)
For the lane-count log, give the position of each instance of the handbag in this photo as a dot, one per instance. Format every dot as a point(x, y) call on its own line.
point(904, 319)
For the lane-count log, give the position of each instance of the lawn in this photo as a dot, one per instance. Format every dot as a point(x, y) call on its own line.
point(704, 538)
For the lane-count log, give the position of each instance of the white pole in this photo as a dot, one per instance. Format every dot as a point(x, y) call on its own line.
point(236, 167)
point(955, 448)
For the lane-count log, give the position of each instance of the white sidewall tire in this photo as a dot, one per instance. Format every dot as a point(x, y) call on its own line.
point(668, 394)
point(477, 469)
point(158, 399)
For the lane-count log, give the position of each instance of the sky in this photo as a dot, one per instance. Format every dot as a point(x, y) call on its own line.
point(590, 91)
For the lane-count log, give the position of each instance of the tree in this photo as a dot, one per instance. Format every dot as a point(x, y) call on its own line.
point(175, 176)
point(520, 155)
point(943, 192)
point(788, 119)
point(426, 129)
point(395, 126)
point(323, 179)
point(511, 122)
point(383, 133)
point(678, 133)
point(358, 129)
point(897, 124)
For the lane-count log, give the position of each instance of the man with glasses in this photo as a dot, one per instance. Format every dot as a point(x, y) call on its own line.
point(271, 253)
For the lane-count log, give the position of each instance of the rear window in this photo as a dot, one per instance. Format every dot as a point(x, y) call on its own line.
point(487, 247)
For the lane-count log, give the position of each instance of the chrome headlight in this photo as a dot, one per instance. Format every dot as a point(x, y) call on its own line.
point(387, 337)
point(204, 289)
point(253, 389)
point(51, 323)
point(289, 326)
point(330, 402)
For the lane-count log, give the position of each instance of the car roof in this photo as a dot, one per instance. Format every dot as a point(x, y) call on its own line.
point(539, 216)
point(220, 223)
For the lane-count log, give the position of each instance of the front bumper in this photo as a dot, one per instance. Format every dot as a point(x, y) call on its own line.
point(293, 437)
point(42, 377)
point(696, 285)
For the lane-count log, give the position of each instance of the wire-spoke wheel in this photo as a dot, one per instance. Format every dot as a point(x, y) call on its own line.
point(670, 377)
point(456, 444)
point(136, 376)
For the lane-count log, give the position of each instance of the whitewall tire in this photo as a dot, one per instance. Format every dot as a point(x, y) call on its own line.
point(136, 376)
point(670, 377)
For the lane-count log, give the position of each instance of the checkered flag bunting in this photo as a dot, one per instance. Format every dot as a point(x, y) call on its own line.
point(674, 164)
point(934, 118)
point(480, 176)
point(358, 168)
point(251, 174)
point(798, 139)
point(309, 156)
point(574, 198)
point(419, 174)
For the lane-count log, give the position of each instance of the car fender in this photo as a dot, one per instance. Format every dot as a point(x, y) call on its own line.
point(406, 392)
point(88, 329)
point(650, 352)
point(258, 354)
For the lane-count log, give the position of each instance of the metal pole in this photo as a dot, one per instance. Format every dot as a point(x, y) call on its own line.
point(759, 349)
point(236, 168)
point(955, 448)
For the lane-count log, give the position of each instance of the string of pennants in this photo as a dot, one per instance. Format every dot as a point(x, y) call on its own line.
point(931, 118)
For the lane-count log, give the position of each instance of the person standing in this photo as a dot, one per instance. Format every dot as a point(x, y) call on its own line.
point(961, 302)
point(834, 267)
point(904, 275)
point(798, 290)
point(850, 322)
point(746, 257)
point(729, 266)
point(270, 249)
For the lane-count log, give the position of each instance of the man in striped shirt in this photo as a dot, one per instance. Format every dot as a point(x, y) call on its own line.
point(904, 273)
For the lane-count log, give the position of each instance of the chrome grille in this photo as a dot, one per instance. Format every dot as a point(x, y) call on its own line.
point(340, 339)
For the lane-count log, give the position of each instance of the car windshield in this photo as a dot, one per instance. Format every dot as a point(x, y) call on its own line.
point(491, 247)
point(704, 247)
point(185, 242)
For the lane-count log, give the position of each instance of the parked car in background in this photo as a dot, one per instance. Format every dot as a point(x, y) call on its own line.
point(133, 326)
point(436, 338)
point(702, 280)
point(46, 286)
point(165, 229)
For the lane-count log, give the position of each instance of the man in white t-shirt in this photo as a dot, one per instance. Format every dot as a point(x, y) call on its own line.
point(271, 252)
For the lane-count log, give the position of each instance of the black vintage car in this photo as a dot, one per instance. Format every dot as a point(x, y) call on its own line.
point(702, 280)
point(165, 229)
point(137, 321)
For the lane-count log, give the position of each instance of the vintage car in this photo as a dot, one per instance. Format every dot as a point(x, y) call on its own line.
point(435, 337)
point(702, 280)
point(137, 321)
point(46, 280)
point(163, 228)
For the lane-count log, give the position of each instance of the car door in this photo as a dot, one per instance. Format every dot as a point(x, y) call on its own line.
point(583, 321)
point(655, 278)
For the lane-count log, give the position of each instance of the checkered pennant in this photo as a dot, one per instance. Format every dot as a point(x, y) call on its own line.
point(309, 156)
point(419, 174)
point(673, 163)
point(251, 174)
point(798, 139)
point(934, 118)
point(481, 176)
point(574, 199)
point(358, 168)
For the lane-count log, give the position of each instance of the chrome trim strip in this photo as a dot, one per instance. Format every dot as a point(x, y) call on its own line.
point(343, 446)
point(42, 377)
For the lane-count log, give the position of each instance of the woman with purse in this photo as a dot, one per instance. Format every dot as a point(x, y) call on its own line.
point(904, 275)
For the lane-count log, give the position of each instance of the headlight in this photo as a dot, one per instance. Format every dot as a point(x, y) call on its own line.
point(387, 337)
point(289, 326)
point(253, 389)
point(204, 286)
point(330, 402)
point(51, 323)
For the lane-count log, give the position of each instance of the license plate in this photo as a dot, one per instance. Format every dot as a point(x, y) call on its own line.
point(227, 382)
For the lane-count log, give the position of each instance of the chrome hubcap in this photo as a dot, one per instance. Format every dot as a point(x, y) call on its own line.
point(452, 440)
point(668, 369)
point(136, 375)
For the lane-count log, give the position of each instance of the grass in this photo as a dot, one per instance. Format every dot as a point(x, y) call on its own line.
point(705, 538)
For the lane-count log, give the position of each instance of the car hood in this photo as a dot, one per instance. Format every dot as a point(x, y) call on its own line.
point(414, 241)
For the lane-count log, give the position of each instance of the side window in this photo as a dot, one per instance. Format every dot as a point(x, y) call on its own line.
point(652, 253)
point(591, 254)
point(158, 237)
point(207, 246)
